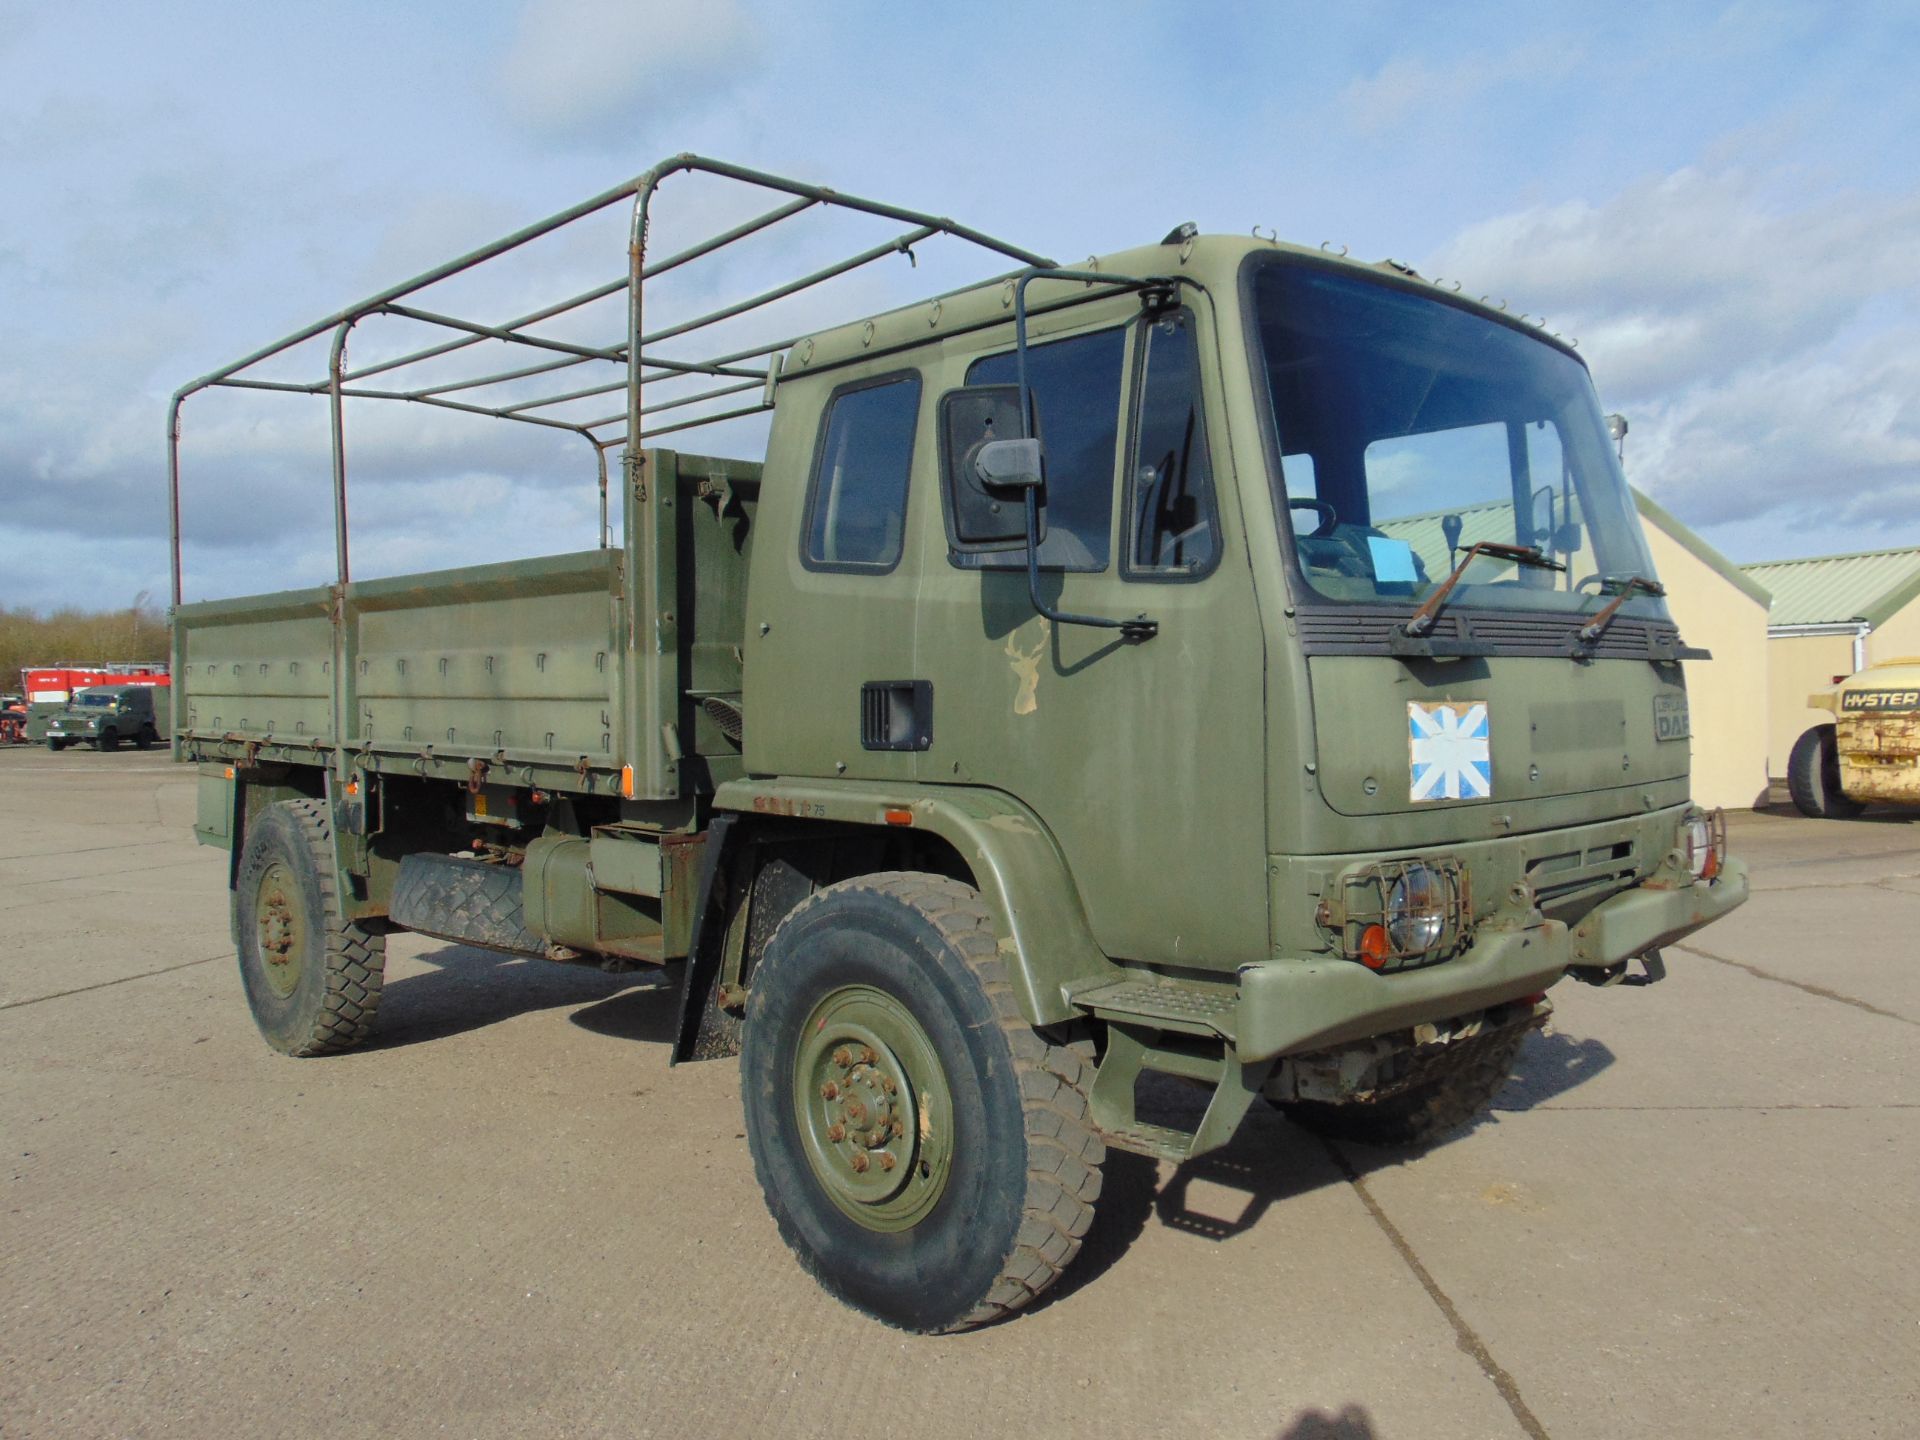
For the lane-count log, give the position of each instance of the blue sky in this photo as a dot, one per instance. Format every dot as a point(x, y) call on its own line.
point(1721, 201)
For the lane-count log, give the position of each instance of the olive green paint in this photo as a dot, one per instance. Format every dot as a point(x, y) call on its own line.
point(1153, 823)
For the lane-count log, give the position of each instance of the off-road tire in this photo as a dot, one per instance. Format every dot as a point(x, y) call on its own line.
point(1024, 1167)
point(1813, 777)
point(144, 740)
point(56, 746)
point(331, 1006)
point(1425, 1112)
point(470, 902)
point(109, 740)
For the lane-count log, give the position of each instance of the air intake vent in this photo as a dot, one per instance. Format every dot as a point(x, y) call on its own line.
point(726, 713)
point(896, 715)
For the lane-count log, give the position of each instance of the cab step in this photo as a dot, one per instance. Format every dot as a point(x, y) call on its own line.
point(1169, 1028)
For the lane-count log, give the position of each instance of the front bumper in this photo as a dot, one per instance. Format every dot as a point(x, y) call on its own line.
point(1291, 1006)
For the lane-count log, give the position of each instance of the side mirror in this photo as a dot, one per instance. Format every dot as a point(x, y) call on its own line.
point(1540, 521)
point(987, 466)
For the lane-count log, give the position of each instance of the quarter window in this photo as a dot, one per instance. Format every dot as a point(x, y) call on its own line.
point(1170, 504)
point(1076, 406)
point(859, 495)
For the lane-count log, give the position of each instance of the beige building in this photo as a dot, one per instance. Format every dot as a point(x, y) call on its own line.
point(1721, 610)
point(1832, 615)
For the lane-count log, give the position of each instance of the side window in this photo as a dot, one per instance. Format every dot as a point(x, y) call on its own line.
point(1170, 494)
point(857, 505)
point(1076, 405)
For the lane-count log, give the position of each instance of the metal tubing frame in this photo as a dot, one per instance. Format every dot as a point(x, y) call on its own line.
point(341, 384)
point(650, 616)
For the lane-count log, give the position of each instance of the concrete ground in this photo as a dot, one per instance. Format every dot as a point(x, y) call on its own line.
point(1692, 1212)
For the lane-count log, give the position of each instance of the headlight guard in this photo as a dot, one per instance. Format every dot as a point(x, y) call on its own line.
point(1393, 914)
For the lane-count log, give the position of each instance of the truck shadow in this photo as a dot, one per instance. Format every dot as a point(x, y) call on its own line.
point(1549, 1066)
point(470, 989)
point(1352, 1423)
point(1227, 1192)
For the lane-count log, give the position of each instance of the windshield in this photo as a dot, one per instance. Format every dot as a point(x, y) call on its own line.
point(94, 698)
point(1411, 428)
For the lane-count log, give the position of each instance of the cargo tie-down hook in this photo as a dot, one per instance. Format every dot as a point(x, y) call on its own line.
point(907, 250)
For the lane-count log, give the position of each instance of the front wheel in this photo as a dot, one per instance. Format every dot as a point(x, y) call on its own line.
point(106, 740)
point(1813, 777)
point(925, 1153)
point(56, 745)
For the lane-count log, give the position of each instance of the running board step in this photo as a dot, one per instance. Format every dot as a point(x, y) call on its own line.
point(1133, 1049)
point(1184, 1009)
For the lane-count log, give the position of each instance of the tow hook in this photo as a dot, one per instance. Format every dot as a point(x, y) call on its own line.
point(1653, 969)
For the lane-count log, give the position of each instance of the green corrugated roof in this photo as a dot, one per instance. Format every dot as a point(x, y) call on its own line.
point(1833, 589)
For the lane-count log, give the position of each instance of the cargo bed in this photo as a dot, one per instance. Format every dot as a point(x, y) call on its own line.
point(550, 671)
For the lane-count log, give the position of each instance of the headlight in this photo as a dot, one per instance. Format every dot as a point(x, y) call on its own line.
point(1417, 910)
point(1399, 911)
point(1703, 839)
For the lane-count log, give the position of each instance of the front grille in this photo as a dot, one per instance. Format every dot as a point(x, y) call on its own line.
point(1571, 883)
point(1353, 630)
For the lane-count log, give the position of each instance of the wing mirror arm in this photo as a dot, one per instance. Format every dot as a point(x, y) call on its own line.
point(1156, 293)
point(1138, 628)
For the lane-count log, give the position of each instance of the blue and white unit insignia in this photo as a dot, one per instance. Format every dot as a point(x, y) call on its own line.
point(1451, 750)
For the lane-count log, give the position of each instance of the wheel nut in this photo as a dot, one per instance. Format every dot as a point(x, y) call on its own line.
point(836, 1132)
point(867, 1055)
point(888, 1082)
point(856, 1111)
point(829, 1091)
point(887, 1162)
point(876, 1138)
point(860, 1162)
point(842, 1058)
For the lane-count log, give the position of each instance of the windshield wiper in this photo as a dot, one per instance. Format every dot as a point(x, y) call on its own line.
point(1590, 631)
point(1421, 621)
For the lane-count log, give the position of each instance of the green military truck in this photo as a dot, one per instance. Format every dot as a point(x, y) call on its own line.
point(1093, 680)
point(105, 715)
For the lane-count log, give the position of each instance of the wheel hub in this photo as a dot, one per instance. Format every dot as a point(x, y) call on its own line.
point(873, 1112)
point(278, 927)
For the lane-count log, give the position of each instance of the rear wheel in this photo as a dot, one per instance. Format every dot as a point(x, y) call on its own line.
point(144, 740)
point(925, 1153)
point(1464, 1083)
point(1813, 777)
point(312, 976)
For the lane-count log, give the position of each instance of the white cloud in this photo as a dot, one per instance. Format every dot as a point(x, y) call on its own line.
point(1407, 91)
point(1767, 351)
point(577, 67)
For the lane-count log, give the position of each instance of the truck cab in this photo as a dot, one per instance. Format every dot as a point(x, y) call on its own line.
point(1405, 638)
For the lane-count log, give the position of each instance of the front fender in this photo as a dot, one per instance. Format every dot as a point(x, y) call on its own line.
point(1045, 939)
